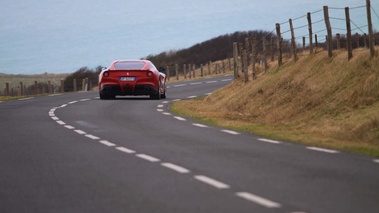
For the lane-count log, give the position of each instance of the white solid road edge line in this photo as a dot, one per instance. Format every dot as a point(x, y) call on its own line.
point(322, 150)
point(175, 168)
point(148, 158)
point(258, 200)
point(212, 182)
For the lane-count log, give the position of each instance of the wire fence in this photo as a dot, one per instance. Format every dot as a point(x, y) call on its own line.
point(330, 28)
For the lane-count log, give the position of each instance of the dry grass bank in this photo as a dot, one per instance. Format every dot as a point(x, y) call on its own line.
point(327, 102)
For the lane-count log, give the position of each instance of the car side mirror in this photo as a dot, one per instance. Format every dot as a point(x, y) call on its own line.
point(162, 70)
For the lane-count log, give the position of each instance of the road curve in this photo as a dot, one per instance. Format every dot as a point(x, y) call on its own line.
point(76, 153)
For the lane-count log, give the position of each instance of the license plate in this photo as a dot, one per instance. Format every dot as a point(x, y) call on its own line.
point(127, 78)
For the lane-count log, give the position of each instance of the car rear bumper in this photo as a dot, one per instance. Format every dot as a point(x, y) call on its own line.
point(139, 89)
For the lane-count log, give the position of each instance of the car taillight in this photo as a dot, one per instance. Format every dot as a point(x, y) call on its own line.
point(106, 74)
point(149, 74)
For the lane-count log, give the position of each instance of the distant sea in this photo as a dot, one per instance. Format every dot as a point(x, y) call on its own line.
point(61, 36)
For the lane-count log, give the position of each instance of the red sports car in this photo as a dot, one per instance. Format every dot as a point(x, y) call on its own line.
point(132, 77)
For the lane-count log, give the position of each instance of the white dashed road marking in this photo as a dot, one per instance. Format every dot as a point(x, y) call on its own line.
point(230, 132)
point(148, 158)
point(61, 122)
point(212, 182)
point(92, 137)
point(175, 168)
point(269, 141)
point(193, 96)
point(179, 118)
point(179, 85)
point(107, 143)
point(200, 125)
point(376, 161)
point(80, 132)
point(24, 99)
point(258, 200)
point(197, 83)
point(69, 127)
point(126, 150)
point(322, 150)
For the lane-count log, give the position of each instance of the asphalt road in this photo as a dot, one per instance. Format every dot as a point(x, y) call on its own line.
point(76, 153)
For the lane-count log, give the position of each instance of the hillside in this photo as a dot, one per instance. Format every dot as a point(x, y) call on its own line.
point(332, 103)
point(214, 49)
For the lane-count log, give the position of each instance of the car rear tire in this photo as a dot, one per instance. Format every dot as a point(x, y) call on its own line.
point(156, 96)
point(106, 97)
point(164, 93)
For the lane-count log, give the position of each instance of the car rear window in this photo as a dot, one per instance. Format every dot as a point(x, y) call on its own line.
point(129, 65)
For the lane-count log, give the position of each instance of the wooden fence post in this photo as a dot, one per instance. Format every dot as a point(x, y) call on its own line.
point(7, 89)
point(209, 68)
point(348, 34)
point(194, 70)
point(371, 42)
point(329, 43)
point(264, 53)
point(190, 70)
point(49, 87)
point(272, 52)
point(244, 56)
point(254, 57)
point(177, 71)
point(310, 32)
point(35, 88)
point(83, 85)
point(201, 70)
point(240, 48)
point(75, 85)
point(293, 41)
point(87, 84)
point(62, 86)
point(184, 71)
point(279, 44)
point(235, 59)
point(21, 89)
